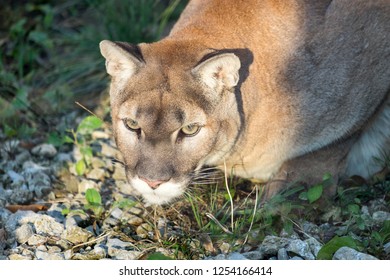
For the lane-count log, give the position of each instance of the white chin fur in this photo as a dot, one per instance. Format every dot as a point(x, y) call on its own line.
point(165, 193)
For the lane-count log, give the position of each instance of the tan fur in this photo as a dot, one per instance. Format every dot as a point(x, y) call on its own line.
point(282, 90)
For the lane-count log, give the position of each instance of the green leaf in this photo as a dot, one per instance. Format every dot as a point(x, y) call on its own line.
point(124, 203)
point(314, 193)
point(86, 151)
point(68, 140)
point(55, 139)
point(93, 197)
point(327, 251)
point(65, 211)
point(80, 167)
point(158, 256)
point(303, 196)
point(353, 209)
point(88, 125)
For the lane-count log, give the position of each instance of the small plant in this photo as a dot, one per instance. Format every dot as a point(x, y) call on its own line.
point(81, 138)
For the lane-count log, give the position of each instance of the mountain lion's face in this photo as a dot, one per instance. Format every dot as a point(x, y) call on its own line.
point(170, 117)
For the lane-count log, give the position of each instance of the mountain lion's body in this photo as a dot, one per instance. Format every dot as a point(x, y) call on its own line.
point(276, 90)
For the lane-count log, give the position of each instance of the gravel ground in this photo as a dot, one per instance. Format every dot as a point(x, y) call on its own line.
point(58, 226)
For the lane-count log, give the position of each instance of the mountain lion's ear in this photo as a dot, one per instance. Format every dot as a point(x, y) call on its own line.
point(219, 71)
point(122, 59)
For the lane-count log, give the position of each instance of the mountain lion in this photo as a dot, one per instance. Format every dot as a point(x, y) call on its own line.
point(272, 90)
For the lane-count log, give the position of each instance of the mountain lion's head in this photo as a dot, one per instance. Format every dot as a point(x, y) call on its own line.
point(172, 112)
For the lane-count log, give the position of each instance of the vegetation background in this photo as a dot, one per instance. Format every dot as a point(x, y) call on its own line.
point(50, 62)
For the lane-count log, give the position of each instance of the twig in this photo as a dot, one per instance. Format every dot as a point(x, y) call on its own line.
point(230, 197)
point(254, 213)
point(225, 229)
point(86, 109)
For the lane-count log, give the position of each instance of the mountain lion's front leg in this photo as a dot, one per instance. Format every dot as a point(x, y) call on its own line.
point(310, 169)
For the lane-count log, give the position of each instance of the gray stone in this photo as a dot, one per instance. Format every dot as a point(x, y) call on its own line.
point(21, 195)
point(109, 151)
point(346, 253)
point(119, 249)
point(380, 217)
point(97, 163)
point(119, 173)
point(19, 218)
point(98, 134)
point(87, 184)
point(40, 255)
point(96, 174)
point(47, 225)
point(15, 177)
point(120, 254)
point(296, 258)
point(300, 248)
point(76, 235)
point(45, 150)
point(144, 230)
point(19, 257)
point(254, 255)
point(282, 254)
point(117, 243)
point(386, 247)
point(22, 157)
point(236, 256)
point(271, 244)
point(116, 213)
point(23, 233)
point(64, 157)
point(314, 246)
point(36, 240)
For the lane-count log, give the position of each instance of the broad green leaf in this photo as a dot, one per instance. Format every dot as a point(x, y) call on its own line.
point(88, 125)
point(327, 251)
point(55, 139)
point(80, 167)
point(314, 193)
point(353, 209)
point(68, 140)
point(93, 197)
point(86, 151)
point(158, 256)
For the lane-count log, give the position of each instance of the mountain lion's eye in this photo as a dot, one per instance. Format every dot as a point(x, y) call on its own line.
point(191, 129)
point(131, 124)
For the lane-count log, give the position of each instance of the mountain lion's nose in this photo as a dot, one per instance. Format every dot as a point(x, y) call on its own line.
point(154, 184)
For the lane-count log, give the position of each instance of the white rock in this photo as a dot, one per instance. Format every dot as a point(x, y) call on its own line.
point(45, 150)
point(346, 253)
point(23, 233)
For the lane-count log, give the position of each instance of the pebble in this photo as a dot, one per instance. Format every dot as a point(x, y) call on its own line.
point(23, 233)
point(19, 257)
point(346, 253)
point(36, 240)
point(380, 216)
point(96, 174)
point(15, 177)
point(109, 151)
point(144, 230)
point(254, 255)
point(85, 184)
point(76, 235)
point(300, 248)
point(40, 255)
point(46, 225)
point(119, 173)
point(44, 150)
point(271, 245)
point(116, 213)
point(282, 254)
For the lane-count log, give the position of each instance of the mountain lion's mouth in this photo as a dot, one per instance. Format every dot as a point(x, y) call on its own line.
point(165, 193)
